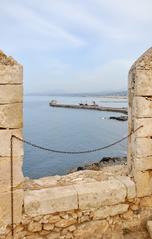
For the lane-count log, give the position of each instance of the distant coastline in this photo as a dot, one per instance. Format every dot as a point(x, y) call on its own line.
point(114, 94)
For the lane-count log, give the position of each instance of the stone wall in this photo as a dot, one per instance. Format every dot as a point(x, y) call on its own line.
point(88, 207)
point(140, 113)
point(110, 204)
point(11, 100)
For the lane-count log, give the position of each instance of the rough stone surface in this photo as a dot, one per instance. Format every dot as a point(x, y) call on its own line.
point(143, 164)
point(5, 173)
point(11, 122)
point(143, 84)
point(11, 94)
point(142, 147)
point(99, 194)
point(5, 208)
point(11, 116)
point(107, 211)
point(5, 137)
point(145, 131)
point(142, 107)
point(143, 181)
point(66, 222)
point(50, 200)
point(6, 60)
point(146, 202)
point(144, 62)
point(130, 186)
point(149, 227)
point(34, 227)
point(91, 230)
point(11, 74)
point(10, 71)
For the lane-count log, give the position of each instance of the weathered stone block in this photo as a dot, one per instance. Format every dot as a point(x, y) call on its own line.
point(142, 107)
point(11, 116)
point(146, 130)
point(142, 147)
point(34, 227)
point(143, 164)
point(146, 202)
point(52, 235)
point(66, 222)
point(11, 74)
point(107, 211)
point(11, 94)
point(149, 228)
point(143, 183)
point(90, 230)
point(50, 200)
point(5, 172)
point(5, 208)
point(5, 137)
point(143, 83)
point(130, 186)
point(94, 195)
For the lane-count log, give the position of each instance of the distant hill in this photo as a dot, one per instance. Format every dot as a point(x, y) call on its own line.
point(104, 93)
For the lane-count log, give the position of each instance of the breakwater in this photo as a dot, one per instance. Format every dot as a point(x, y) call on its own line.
point(90, 107)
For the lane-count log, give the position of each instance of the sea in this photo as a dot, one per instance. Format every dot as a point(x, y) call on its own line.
point(69, 130)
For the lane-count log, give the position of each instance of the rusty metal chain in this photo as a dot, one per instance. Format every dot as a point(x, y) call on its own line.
point(53, 151)
point(76, 152)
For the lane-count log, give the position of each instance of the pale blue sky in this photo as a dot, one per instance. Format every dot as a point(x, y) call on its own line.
point(75, 45)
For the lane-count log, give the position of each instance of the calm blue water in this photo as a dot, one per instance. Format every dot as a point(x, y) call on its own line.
point(68, 129)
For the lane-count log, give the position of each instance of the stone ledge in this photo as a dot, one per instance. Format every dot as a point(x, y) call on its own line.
point(107, 211)
point(45, 201)
point(79, 196)
point(130, 186)
point(95, 195)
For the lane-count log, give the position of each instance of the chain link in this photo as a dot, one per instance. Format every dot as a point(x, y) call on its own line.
point(50, 150)
point(76, 152)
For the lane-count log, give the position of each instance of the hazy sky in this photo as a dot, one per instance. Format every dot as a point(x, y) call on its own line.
point(75, 45)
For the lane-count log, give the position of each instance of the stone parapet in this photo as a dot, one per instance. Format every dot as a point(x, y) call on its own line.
point(81, 196)
point(56, 212)
point(101, 206)
point(140, 113)
point(11, 123)
point(45, 201)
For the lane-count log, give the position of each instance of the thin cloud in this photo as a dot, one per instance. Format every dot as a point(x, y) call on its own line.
point(78, 45)
point(30, 20)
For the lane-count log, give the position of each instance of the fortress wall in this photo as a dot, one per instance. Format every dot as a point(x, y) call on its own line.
point(102, 205)
point(140, 113)
point(11, 123)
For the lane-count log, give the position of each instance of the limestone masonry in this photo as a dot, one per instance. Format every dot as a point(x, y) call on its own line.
point(114, 203)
